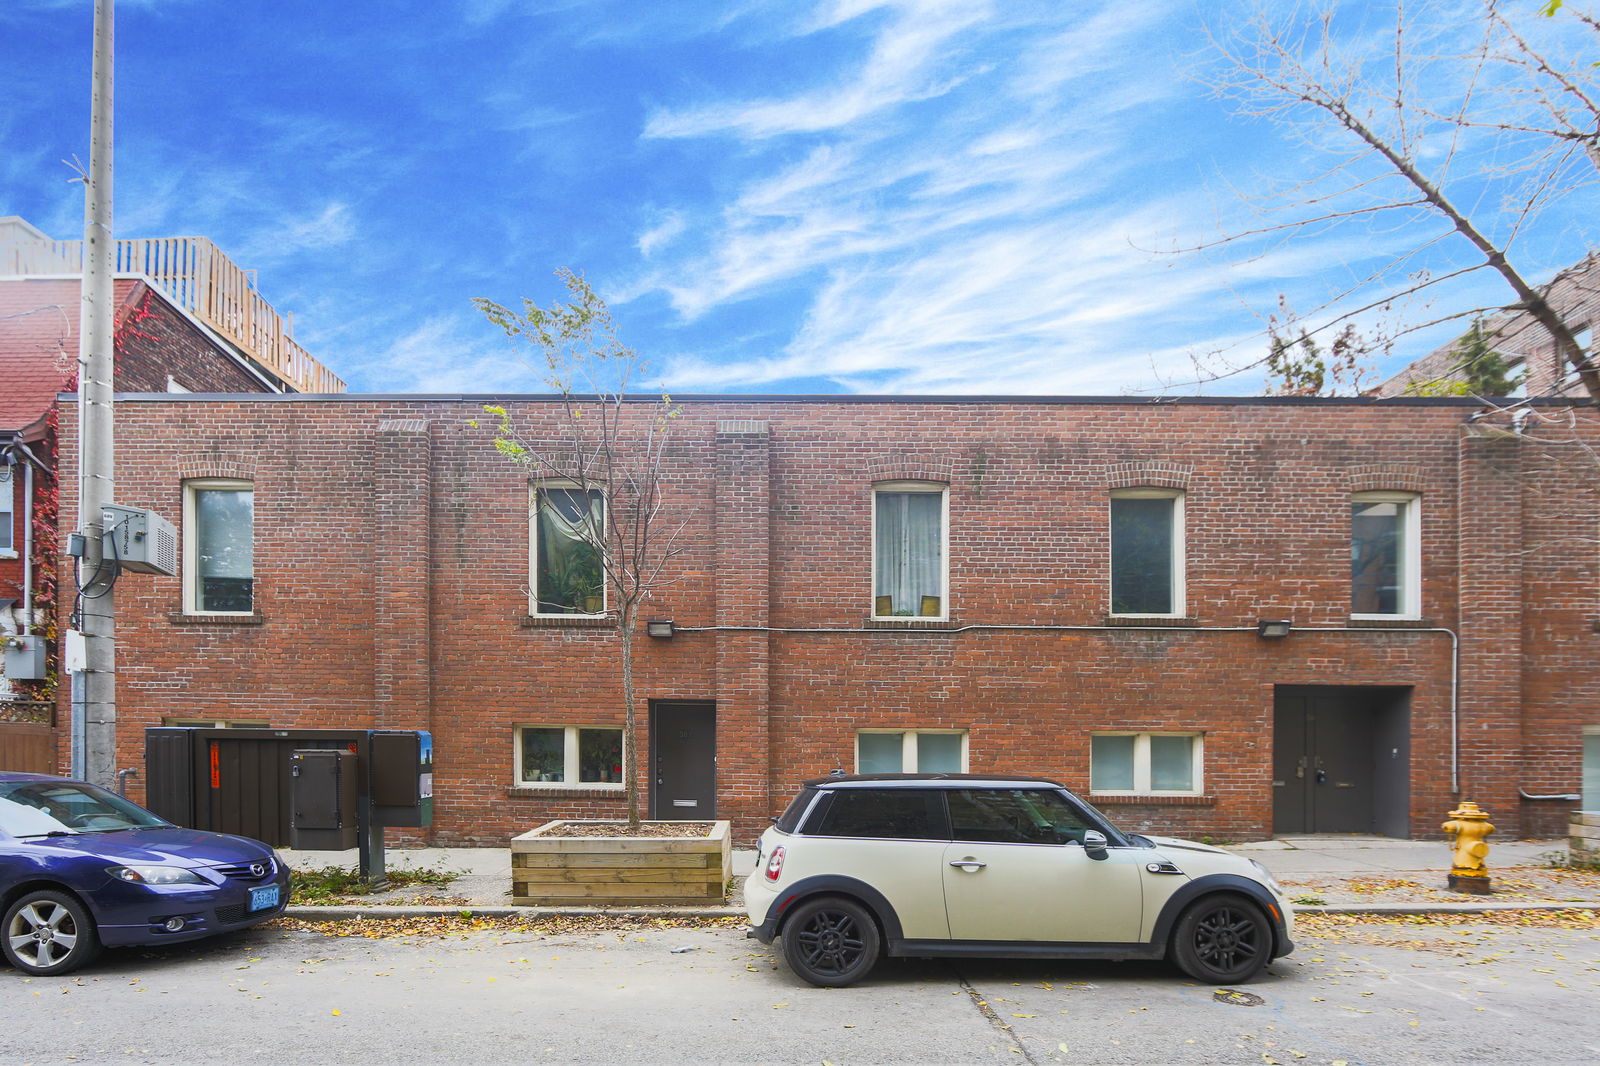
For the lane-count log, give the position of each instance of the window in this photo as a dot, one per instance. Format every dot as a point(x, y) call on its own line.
point(1145, 763)
point(1014, 816)
point(568, 525)
point(1147, 573)
point(1385, 579)
point(570, 755)
point(908, 550)
point(911, 751)
point(219, 547)
point(8, 509)
point(905, 813)
point(1591, 768)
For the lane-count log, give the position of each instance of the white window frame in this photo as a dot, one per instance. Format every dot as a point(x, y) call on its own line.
point(1141, 763)
point(927, 488)
point(10, 483)
point(908, 745)
point(534, 488)
point(191, 543)
point(1410, 605)
point(569, 758)
point(1180, 569)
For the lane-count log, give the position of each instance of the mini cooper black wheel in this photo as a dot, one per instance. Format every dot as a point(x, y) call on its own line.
point(1222, 940)
point(831, 942)
point(48, 933)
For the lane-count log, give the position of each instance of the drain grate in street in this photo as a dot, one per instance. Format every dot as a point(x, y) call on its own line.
point(1237, 998)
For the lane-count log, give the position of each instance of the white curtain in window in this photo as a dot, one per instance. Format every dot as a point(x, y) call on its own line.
point(910, 563)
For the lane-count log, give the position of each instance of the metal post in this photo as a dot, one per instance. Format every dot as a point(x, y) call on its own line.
point(97, 615)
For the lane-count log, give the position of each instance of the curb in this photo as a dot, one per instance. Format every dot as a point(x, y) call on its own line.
point(1442, 908)
point(381, 912)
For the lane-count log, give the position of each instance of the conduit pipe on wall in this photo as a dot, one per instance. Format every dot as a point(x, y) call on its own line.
point(1455, 651)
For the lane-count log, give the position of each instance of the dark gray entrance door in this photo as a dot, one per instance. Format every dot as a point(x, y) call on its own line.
point(683, 760)
point(1340, 760)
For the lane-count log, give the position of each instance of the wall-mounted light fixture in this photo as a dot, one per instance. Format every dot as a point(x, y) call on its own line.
point(1273, 628)
point(661, 629)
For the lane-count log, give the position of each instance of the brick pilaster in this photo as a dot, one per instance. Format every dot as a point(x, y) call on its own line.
point(401, 640)
point(1490, 545)
point(743, 555)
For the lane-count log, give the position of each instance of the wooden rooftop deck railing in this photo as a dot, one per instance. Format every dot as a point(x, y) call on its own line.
point(194, 274)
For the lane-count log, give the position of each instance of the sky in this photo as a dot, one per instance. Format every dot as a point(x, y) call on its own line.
point(774, 196)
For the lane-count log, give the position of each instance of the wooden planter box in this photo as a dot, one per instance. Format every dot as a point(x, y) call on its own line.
point(555, 871)
point(1584, 835)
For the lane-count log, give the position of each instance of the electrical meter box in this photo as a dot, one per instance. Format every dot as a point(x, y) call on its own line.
point(25, 657)
point(324, 796)
point(140, 540)
point(402, 777)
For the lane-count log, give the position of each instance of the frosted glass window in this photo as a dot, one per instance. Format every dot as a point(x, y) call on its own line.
point(879, 753)
point(1171, 764)
point(1111, 764)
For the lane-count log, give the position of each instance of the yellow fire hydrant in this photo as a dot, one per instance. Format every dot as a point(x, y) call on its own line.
point(1469, 825)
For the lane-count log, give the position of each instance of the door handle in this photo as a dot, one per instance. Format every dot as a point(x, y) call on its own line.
point(968, 865)
point(1322, 777)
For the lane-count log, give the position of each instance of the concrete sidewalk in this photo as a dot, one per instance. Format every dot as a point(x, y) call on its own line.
point(1319, 874)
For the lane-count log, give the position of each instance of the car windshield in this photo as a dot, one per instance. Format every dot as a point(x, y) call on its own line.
point(41, 808)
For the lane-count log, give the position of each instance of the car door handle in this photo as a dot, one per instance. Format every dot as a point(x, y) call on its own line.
point(968, 865)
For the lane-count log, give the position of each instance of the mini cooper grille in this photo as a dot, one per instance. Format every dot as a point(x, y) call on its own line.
point(260, 870)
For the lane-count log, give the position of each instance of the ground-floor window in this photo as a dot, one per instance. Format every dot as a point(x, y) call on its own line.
point(1145, 763)
point(569, 755)
point(907, 751)
point(1591, 768)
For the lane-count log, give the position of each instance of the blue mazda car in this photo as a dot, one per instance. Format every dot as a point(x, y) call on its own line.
point(82, 868)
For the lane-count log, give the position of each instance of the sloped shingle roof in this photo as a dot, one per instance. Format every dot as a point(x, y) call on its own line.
point(39, 342)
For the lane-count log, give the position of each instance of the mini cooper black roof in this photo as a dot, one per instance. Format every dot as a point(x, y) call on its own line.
point(931, 781)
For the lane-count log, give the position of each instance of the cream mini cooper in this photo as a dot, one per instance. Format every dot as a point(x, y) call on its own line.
point(968, 865)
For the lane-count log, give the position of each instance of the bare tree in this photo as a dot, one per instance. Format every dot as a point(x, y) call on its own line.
point(605, 534)
point(1460, 139)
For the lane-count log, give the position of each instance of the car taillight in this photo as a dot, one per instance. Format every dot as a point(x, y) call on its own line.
point(775, 864)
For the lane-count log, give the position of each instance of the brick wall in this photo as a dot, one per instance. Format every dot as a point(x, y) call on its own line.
point(392, 563)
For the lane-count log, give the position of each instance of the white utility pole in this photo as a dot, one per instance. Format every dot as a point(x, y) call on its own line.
point(96, 457)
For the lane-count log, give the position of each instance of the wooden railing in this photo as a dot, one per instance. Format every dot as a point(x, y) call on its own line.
point(195, 275)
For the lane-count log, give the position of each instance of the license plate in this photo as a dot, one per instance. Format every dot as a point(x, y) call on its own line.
point(262, 898)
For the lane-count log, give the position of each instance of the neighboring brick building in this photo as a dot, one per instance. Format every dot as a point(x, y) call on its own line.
point(1069, 587)
point(1525, 344)
point(185, 321)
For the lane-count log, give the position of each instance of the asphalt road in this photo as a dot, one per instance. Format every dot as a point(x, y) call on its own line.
point(1378, 994)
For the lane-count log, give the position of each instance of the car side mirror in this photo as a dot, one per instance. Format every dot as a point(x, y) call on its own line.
point(1094, 843)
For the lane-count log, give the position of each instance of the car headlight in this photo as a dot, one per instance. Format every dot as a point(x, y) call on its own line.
point(155, 875)
point(1266, 877)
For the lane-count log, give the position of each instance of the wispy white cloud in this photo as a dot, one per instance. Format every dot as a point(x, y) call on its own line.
point(903, 66)
point(435, 356)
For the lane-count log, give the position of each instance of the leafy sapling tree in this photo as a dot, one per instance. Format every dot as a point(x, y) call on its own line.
point(604, 533)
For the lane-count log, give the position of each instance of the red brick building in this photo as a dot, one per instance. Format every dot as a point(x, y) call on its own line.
point(186, 320)
point(1072, 587)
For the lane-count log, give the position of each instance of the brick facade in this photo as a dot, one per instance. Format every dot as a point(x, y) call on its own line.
point(392, 559)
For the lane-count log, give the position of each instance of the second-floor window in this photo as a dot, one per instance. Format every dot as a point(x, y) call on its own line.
point(1147, 552)
point(1385, 579)
point(219, 518)
point(908, 550)
point(568, 527)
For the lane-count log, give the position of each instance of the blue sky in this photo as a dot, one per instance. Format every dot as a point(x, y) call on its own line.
point(871, 196)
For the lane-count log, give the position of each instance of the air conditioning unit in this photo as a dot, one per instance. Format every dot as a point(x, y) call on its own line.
point(25, 658)
point(140, 540)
